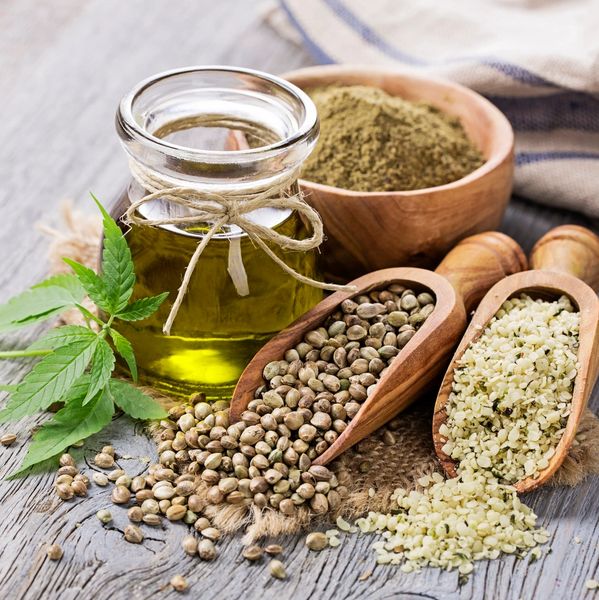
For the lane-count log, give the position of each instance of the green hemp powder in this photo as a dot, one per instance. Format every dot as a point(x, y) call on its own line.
point(371, 141)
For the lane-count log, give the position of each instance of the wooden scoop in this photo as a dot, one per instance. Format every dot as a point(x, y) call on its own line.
point(563, 260)
point(459, 282)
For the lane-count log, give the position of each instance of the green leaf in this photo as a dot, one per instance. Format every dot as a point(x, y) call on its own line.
point(76, 421)
point(142, 308)
point(93, 284)
point(102, 366)
point(66, 281)
point(89, 315)
point(34, 305)
point(60, 336)
point(49, 380)
point(117, 263)
point(7, 388)
point(78, 390)
point(134, 402)
point(125, 349)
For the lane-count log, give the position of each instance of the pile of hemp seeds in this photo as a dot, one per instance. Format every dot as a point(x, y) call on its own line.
point(307, 400)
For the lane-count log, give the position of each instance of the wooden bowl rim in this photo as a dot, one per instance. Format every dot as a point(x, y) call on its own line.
point(550, 282)
point(504, 152)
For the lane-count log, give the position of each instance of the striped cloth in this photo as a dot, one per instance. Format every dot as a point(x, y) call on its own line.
point(537, 60)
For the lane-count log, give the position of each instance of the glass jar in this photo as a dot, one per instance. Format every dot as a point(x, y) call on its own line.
point(217, 130)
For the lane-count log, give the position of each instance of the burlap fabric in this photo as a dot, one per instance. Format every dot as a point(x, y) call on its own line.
point(395, 456)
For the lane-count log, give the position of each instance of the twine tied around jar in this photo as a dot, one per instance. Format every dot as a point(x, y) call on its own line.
point(229, 208)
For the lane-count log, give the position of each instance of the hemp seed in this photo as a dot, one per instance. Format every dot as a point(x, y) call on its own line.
point(104, 516)
point(8, 439)
point(178, 583)
point(190, 545)
point(104, 460)
point(133, 534)
point(253, 553)
point(277, 569)
point(317, 541)
point(54, 552)
point(206, 549)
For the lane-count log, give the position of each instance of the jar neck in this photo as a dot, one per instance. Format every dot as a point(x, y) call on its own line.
point(218, 128)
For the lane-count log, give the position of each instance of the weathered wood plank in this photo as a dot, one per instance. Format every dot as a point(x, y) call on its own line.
point(63, 67)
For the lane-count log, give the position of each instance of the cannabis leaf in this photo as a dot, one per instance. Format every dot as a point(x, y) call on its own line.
point(60, 336)
point(74, 422)
point(41, 302)
point(101, 370)
point(66, 281)
point(134, 402)
point(117, 264)
point(50, 379)
point(142, 308)
point(94, 285)
point(123, 346)
point(78, 361)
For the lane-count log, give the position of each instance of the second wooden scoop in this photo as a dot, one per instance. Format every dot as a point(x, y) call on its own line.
point(563, 260)
point(459, 282)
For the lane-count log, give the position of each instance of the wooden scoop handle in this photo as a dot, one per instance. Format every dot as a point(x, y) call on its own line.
point(480, 261)
point(569, 249)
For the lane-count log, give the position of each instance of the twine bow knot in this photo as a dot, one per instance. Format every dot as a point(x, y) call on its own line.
point(229, 208)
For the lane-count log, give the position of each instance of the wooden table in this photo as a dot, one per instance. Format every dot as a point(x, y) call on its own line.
point(63, 67)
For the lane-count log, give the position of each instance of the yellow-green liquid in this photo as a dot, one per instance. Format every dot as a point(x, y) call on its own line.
point(216, 332)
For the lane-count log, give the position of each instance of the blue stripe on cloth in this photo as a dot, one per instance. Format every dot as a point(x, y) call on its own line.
point(313, 48)
point(372, 37)
point(527, 158)
point(566, 110)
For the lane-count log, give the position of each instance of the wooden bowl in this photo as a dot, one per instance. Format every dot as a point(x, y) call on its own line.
point(367, 231)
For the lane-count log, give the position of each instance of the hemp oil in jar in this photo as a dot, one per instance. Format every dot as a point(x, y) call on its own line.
point(162, 125)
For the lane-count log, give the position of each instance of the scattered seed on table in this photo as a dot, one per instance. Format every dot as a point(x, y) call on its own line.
point(212, 533)
point(8, 439)
point(115, 474)
point(124, 480)
point(54, 552)
point(253, 553)
point(104, 515)
point(64, 491)
point(179, 583)
point(67, 479)
point(190, 545)
point(79, 488)
point(135, 514)
point(134, 534)
point(206, 549)
point(66, 460)
point(152, 519)
point(591, 584)
point(100, 479)
point(343, 524)
point(108, 450)
point(277, 569)
point(317, 541)
point(120, 495)
point(273, 549)
point(103, 460)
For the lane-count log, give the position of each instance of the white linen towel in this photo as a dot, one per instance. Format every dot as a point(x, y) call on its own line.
point(537, 60)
